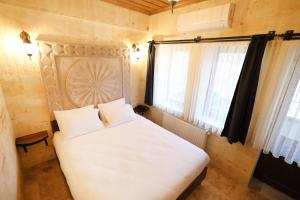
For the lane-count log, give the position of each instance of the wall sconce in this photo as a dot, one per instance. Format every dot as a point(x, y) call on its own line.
point(136, 51)
point(27, 45)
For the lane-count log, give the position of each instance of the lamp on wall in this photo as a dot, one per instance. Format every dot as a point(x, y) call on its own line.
point(173, 3)
point(136, 51)
point(27, 45)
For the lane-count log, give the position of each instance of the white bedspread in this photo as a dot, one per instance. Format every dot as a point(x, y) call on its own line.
point(137, 160)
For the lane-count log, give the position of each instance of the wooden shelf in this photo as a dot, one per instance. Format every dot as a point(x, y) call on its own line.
point(32, 139)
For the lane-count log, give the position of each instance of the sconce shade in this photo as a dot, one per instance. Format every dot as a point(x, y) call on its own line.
point(134, 46)
point(25, 37)
point(28, 47)
point(136, 51)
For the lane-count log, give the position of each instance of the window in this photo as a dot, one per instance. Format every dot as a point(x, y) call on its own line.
point(197, 82)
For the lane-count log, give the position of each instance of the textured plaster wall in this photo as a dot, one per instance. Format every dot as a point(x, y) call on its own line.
point(9, 169)
point(92, 22)
point(93, 10)
point(250, 17)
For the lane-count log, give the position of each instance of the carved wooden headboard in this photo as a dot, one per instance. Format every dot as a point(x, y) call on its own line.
point(76, 75)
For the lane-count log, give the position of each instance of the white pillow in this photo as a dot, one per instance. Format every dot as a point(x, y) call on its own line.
point(78, 122)
point(118, 115)
point(110, 105)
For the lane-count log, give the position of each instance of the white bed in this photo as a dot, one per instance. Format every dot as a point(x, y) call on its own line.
point(137, 160)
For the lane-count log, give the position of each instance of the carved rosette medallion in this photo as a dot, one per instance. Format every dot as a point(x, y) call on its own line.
point(49, 51)
point(91, 82)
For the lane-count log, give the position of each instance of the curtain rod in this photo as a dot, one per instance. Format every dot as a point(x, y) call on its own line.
point(288, 35)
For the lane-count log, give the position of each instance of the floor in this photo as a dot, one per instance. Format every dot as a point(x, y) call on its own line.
point(46, 182)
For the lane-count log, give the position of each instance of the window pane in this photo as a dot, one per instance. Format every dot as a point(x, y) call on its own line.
point(213, 101)
point(294, 109)
point(222, 87)
point(177, 81)
point(170, 78)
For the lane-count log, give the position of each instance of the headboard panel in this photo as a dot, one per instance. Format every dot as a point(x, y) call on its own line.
point(76, 75)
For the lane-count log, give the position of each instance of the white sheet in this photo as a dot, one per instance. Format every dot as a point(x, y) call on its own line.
point(137, 160)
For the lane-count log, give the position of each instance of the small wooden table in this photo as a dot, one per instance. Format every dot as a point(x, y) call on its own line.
point(34, 138)
point(141, 109)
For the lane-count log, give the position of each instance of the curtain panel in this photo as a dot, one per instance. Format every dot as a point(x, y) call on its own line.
point(276, 128)
point(240, 112)
point(196, 82)
point(150, 74)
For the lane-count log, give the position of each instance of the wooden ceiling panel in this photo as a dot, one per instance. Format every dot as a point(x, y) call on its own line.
point(150, 7)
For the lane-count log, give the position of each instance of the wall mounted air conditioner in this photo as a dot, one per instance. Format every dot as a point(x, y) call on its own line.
point(214, 18)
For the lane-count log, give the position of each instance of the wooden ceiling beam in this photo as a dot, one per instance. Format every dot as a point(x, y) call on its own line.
point(165, 2)
point(146, 4)
point(158, 3)
point(188, 2)
point(129, 6)
point(150, 7)
point(178, 5)
point(135, 3)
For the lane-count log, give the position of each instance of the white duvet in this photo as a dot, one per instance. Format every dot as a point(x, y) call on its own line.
point(137, 160)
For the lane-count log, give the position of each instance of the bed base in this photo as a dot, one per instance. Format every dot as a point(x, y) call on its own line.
point(184, 195)
point(54, 126)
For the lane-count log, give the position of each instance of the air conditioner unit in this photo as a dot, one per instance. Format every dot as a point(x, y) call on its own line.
point(214, 18)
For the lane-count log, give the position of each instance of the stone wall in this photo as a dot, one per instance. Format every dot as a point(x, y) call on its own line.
point(9, 169)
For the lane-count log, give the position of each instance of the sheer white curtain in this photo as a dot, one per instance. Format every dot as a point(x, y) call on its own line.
point(196, 82)
point(170, 77)
point(220, 67)
point(278, 125)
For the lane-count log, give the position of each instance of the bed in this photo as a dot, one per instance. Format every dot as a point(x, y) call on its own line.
point(134, 160)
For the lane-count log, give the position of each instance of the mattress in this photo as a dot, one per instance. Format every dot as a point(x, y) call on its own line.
point(137, 160)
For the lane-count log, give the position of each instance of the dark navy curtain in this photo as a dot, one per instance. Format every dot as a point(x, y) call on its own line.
point(150, 75)
point(240, 112)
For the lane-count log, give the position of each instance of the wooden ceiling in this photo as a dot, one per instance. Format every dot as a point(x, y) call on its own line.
point(150, 7)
